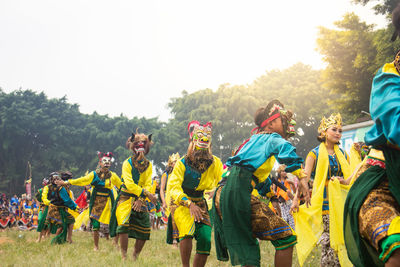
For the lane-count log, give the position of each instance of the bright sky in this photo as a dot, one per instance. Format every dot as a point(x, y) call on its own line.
point(132, 56)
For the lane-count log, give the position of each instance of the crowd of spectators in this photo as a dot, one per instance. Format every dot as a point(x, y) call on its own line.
point(20, 212)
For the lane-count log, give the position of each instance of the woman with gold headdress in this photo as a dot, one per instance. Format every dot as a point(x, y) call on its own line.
point(323, 164)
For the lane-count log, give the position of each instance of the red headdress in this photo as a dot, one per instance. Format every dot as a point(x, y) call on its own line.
point(107, 154)
point(270, 118)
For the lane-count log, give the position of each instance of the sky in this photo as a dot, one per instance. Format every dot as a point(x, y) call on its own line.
point(131, 57)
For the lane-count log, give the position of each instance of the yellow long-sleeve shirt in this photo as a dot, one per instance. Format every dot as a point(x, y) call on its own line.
point(144, 181)
point(207, 181)
point(88, 179)
point(45, 192)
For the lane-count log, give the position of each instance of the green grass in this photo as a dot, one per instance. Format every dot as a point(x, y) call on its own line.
point(18, 248)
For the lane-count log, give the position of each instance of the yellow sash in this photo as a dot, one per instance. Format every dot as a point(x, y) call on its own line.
point(184, 221)
point(123, 211)
point(106, 214)
point(355, 158)
point(309, 226)
point(82, 218)
point(73, 213)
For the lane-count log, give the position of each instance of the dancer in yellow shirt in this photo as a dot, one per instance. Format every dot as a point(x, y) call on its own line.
point(196, 172)
point(101, 198)
point(131, 210)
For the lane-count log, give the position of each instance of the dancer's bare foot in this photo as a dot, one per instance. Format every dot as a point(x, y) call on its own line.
point(96, 249)
point(134, 256)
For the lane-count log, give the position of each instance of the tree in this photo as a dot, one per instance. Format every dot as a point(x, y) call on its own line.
point(382, 7)
point(350, 54)
point(53, 135)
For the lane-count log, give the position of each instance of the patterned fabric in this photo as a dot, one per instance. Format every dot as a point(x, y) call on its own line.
point(376, 162)
point(199, 164)
point(285, 212)
point(103, 175)
point(138, 225)
point(53, 215)
point(328, 255)
point(397, 61)
point(376, 214)
point(244, 218)
point(175, 232)
point(98, 206)
point(265, 224)
point(104, 229)
point(142, 165)
point(371, 204)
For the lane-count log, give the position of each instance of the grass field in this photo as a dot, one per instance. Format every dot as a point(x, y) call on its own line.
point(18, 248)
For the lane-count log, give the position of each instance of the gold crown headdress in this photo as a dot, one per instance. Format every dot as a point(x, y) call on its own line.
point(173, 158)
point(334, 119)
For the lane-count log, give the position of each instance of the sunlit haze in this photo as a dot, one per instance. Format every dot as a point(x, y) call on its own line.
point(131, 57)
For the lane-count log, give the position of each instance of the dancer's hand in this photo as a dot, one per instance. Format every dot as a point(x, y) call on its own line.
point(341, 180)
point(195, 211)
point(295, 205)
point(137, 205)
point(304, 189)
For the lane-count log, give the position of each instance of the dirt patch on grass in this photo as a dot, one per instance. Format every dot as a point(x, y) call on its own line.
point(4, 240)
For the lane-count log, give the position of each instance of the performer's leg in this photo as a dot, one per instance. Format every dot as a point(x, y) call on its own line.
point(115, 240)
point(123, 240)
point(394, 260)
point(158, 223)
point(283, 258)
point(96, 235)
point(96, 239)
point(203, 244)
point(69, 236)
point(47, 232)
point(185, 247)
point(39, 238)
point(200, 260)
point(138, 248)
point(59, 230)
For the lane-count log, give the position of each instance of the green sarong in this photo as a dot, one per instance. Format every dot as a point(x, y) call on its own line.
point(360, 252)
point(170, 239)
point(62, 237)
point(234, 232)
point(138, 227)
point(113, 220)
point(42, 219)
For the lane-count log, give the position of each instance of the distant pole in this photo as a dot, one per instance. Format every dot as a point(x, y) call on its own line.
point(28, 181)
